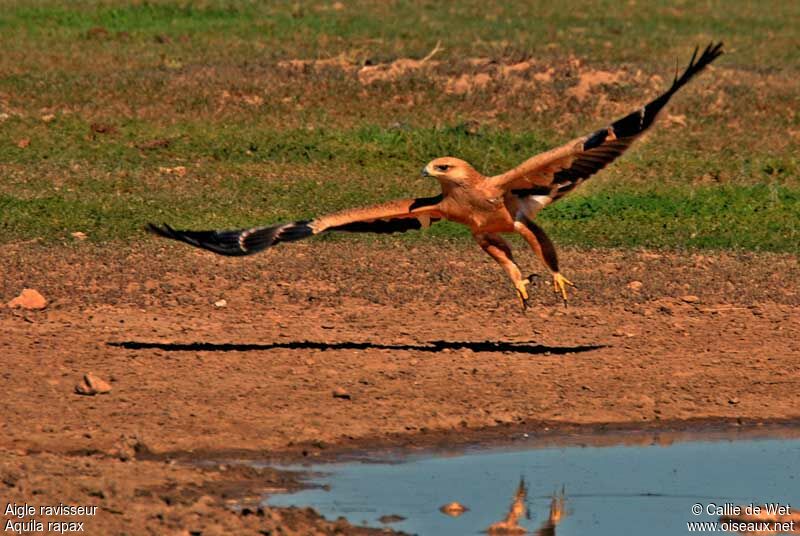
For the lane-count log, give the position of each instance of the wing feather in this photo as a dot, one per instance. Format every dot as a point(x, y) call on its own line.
point(563, 168)
point(392, 217)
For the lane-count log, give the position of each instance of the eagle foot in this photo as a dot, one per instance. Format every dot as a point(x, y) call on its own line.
point(522, 292)
point(560, 284)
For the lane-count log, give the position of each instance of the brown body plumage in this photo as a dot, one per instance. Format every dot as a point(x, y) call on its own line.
point(503, 203)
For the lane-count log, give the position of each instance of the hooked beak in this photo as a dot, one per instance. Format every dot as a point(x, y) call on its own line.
point(425, 172)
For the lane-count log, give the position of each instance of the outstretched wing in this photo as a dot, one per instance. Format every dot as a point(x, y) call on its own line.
point(391, 217)
point(557, 172)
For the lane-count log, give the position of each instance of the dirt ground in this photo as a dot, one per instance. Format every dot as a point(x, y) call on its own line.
point(424, 344)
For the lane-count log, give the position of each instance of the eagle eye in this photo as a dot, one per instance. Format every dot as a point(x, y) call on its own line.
point(442, 167)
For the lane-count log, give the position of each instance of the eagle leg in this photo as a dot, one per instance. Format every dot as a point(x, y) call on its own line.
point(545, 250)
point(500, 251)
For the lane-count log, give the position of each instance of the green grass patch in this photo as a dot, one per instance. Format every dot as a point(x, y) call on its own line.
point(759, 218)
point(263, 143)
point(388, 29)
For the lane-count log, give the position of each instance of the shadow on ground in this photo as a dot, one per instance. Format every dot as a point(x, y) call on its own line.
point(432, 346)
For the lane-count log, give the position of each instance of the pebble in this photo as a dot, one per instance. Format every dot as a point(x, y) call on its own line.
point(635, 285)
point(92, 385)
point(690, 298)
point(221, 303)
point(340, 392)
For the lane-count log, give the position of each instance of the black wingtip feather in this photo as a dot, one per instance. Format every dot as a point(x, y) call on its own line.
point(220, 242)
point(640, 120)
point(711, 52)
point(163, 230)
point(236, 242)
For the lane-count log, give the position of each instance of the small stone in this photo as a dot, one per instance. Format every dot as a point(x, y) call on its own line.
point(29, 299)
point(635, 286)
point(47, 118)
point(340, 392)
point(690, 298)
point(92, 385)
point(78, 235)
point(221, 303)
point(23, 143)
point(733, 401)
point(453, 509)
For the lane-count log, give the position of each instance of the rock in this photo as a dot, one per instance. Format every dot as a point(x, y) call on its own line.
point(340, 392)
point(23, 143)
point(636, 286)
point(690, 298)
point(92, 385)
point(221, 303)
point(78, 235)
point(28, 299)
point(733, 401)
point(453, 509)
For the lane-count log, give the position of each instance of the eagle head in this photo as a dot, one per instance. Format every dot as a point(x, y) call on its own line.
point(449, 170)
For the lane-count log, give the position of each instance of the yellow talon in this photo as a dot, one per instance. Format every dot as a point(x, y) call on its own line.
point(560, 284)
point(522, 292)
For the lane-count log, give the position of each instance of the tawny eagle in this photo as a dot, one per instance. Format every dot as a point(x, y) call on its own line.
point(503, 203)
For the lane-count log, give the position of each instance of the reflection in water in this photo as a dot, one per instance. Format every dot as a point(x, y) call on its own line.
point(656, 485)
point(557, 514)
point(453, 509)
point(518, 510)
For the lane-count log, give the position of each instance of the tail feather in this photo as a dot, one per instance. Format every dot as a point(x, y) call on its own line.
point(237, 242)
